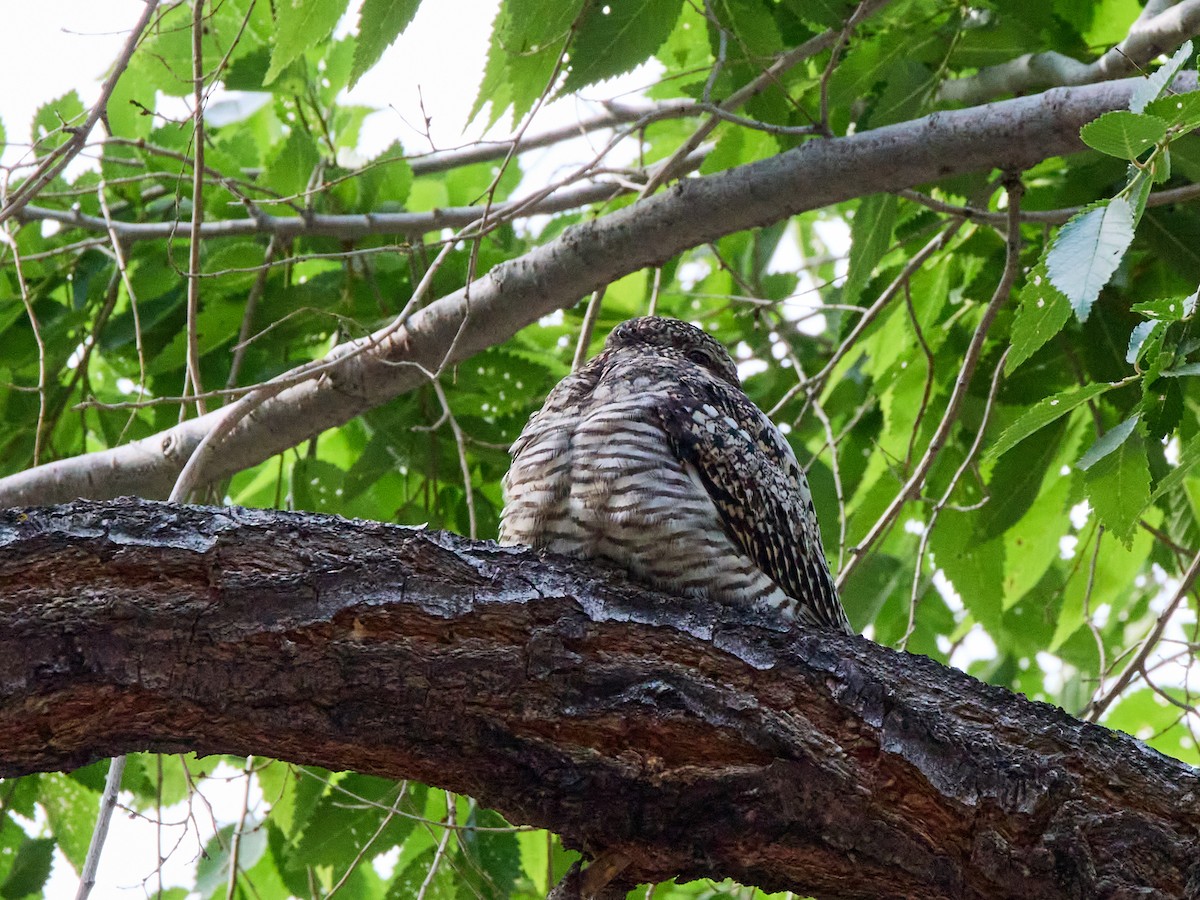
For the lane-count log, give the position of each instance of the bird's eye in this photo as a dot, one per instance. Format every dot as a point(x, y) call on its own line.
point(699, 357)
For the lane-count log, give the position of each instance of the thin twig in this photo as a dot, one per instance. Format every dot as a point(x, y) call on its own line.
point(929, 375)
point(738, 98)
point(235, 842)
point(50, 167)
point(362, 851)
point(123, 268)
point(193, 470)
point(859, 12)
point(814, 384)
point(655, 287)
point(1158, 29)
point(1097, 708)
point(1045, 216)
point(1087, 610)
point(586, 329)
point(108, 800)
point(256, 291)
point(941, 504)
point(192, 366)
point(440, 853)
point(961, 384)
point(39, 428)
point(463, 462)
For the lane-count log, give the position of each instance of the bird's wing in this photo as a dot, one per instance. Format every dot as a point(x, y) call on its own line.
point(758, 489)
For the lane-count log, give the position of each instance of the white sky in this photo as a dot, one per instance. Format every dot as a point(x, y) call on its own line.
point(57, 45)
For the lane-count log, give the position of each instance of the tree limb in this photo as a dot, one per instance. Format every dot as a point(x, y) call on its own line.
point(691, 739)
point(1011, 134)
point(1161, 28)
point(344, 227)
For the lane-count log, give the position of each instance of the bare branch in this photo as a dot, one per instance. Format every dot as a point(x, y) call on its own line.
point(345, 227)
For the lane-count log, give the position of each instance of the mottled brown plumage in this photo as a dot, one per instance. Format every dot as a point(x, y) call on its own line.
point(652, 457)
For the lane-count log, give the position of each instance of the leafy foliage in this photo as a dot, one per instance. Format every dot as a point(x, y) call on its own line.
point(1047, 537)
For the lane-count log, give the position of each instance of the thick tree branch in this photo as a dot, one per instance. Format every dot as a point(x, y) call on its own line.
point(694, 740)
point(1012, 134)
point(1161, 28)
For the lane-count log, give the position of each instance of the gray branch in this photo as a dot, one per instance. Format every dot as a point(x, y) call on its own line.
point(1010, 135)
point(344, 227)
point(1160, 29)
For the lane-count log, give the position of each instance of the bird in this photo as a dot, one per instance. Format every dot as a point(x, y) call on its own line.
point(651, 457)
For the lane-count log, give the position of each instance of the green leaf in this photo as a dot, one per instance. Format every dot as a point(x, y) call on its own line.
point(977, 572)
point(1045, 412)
point(299, 25)
point(528, 39)
point(379, 24)
point(1042, 314)
point(1180, 111)
point(1154, 85)
point(1118, 487)
point(350, 813)
point(212, 869)
point(1183, 371)
point(617, 35)
point(753, 24)
point(11, 838)
point(1087, 251)
point(417, 878)
point(71, 811)
point(1142, 332)
point(1016, 481)
point(29, 870)
point(870, 237)
point(1148, 716)
point(1116, 568)
point(291, 169)
point(1168, 309)
point(387, 180)
point(51, 120)
point(1124, 134)
point(493, 857)
point(316, 485)
point(1030, 546)
point(1107, 443)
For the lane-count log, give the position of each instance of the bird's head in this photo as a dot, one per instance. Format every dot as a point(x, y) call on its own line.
point(676, 338)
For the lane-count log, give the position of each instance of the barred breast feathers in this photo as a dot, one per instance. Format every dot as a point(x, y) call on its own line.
point(652, 456)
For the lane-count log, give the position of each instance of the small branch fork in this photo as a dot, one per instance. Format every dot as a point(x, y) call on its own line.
point(725, 109)
point(1137, 664)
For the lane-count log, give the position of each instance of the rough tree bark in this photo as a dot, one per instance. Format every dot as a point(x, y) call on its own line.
point(695, 740)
